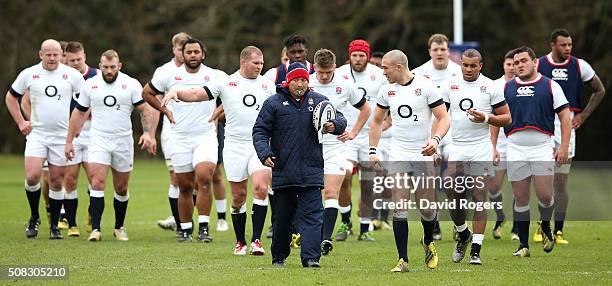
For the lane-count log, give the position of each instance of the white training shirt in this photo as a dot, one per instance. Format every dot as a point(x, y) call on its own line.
point(111, 104)
point(191, 117)
point(482, 95)
point(50, 96)
point(166, 68)
point(410, 107)
point(342, 93)
point(368, 83)
point(438, 77)
point(242, 99)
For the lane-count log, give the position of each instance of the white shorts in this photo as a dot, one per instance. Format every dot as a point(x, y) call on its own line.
point(556, 143)
point(52, 150)
point(241, 160)
point(357, 149)
point(503, 161)
point(445, 147)
point(166, 141)
point(404, 160)
point(187, 152)
point(81, 152)
point(335, 159)
point(475, 159)
point(118, 152)
point(382, 149)
point(524, 161)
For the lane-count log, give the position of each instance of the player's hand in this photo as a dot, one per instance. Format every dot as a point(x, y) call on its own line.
point(329, 127)
point(169, 114)
point(219, 111)
point(496, 157)
point(146, 142)
point(437, 159)
point(561, 155)
point(25, 127)
point(347, 136)
point(475, 115)
point(269, 162)
point(375, 161)
point(170, 96)
point(430, 148)
point(578, 120)
point(69, 151)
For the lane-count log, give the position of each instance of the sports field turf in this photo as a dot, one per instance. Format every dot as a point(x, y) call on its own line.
point(153, 257)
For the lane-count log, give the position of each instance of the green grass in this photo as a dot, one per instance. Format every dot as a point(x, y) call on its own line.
point(153, 257)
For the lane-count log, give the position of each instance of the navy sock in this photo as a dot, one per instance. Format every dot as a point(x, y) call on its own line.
point(346, 217)
point(56, 207)
point(400, 232)
point(71, 209)
point(239, 222)
point(258, 219)
point(97, 208)
point(364, 227)
point(120, 211)
point(523, 219)
point(33, 201)
point(175, 212)
point(329, 222)
point(428, 229)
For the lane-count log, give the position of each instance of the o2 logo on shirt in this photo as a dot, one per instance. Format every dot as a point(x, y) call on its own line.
point(250, 100)
point(465, 104)
point(51, 91)
point(111, 101)
point(364, 93)
point(525, 91)
point(405, 111)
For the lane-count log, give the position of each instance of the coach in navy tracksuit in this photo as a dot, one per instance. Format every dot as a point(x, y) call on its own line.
point(286, 140)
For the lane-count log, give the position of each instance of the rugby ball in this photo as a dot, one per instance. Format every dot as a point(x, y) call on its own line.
point(323, 112)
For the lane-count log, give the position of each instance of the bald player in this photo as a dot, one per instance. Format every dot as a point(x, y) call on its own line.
point(51, 86)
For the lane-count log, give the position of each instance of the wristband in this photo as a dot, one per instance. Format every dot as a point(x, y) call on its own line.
point(486, 118)
point(437, 138)
point(372, 151)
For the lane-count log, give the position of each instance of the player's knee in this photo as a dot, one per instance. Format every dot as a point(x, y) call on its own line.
point(260, 190)
point(239, 197)
point(70, 183)
point(121, 188)
point(97, 182)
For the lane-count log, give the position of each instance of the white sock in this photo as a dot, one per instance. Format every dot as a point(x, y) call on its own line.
point(461, 228)
point(186, 225)
point(122, 198)
point(331, 204)
point(221, 205)
point(173, 192)
point(96, 194)
point(203, 218)
point(478, 238)
point(344, 210)
point(259, 202)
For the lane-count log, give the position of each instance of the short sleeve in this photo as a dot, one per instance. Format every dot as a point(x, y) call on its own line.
point(444, 92)
point(77, 82)
point(559, 100)
point(84, 96)
point(497, 95)
point(433, 94)
point(383, 99)
point(271, 74)
point(20, 85)
point(355, 98)
point(586, 70)
point(215, 89)
point(159, 82)
point(136, 92)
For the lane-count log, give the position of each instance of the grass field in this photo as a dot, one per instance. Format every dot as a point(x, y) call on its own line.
point(153, 257)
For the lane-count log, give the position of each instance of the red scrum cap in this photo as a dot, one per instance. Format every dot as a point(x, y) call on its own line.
point(359, 46)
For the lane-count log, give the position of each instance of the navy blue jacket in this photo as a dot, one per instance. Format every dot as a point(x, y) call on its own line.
point(284, 129)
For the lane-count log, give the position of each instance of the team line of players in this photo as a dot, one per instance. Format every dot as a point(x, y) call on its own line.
point(410, 106)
